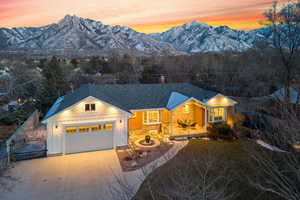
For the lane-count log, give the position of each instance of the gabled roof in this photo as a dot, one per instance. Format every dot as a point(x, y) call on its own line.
point(133, 96)
point(175, 100)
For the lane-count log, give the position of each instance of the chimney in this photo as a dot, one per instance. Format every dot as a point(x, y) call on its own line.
point(72, 88)
point(162, 79)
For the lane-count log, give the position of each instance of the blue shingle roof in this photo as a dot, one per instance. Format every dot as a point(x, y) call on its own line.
point(133, 96)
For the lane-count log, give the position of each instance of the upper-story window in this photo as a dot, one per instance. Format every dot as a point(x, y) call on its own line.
point(217, 114)
point(186, 108)
point(90, 107)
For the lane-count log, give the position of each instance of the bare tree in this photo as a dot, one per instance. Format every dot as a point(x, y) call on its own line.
point(285, 24)
point(278, 173)
point(198, 178)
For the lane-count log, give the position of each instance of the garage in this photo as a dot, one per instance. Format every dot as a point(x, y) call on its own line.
point(89, 137)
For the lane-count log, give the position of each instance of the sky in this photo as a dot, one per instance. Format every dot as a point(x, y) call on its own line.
point(146, 16)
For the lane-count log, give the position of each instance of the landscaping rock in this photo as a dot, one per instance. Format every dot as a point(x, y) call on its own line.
point(133, 164)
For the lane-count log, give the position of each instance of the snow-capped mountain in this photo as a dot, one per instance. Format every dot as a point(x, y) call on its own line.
point(199, 37)
point(75, 34)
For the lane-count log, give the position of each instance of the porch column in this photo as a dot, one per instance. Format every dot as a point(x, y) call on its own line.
point(205, 120)
point(171, 123)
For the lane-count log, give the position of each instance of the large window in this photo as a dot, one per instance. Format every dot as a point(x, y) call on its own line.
point(71, 130)
point(216, 114)
point(151, 117)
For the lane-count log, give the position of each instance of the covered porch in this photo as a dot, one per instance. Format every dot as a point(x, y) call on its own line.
point(185, 119)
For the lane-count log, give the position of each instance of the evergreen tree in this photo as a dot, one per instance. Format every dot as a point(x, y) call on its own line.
point(150, 74)
point(54, 85)
point(74, 62)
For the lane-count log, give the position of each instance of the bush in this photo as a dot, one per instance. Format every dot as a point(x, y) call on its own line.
point(220, 130)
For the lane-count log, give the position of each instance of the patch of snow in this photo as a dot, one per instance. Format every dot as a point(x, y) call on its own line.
point(268, 146)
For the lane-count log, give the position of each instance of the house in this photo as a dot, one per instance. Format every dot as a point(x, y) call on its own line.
point(97, 117)
point(280, 94)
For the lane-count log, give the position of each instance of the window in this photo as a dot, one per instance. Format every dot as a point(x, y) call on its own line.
point(71, 130)
point(87, 107)
point(186, 108)
point(90, 107)
point(96, 128)
point(216, 114)
point(151, 117)
point(108, 127)
point(84, 129)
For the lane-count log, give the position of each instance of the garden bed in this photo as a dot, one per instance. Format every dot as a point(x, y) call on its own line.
point(143, 156)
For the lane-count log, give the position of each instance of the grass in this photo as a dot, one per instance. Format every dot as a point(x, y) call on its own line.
point(234, 155)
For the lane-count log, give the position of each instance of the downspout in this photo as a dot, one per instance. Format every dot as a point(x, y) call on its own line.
point(205, 120)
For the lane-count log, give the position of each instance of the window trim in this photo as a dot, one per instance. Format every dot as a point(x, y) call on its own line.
point(211, 112)
point(147, 113)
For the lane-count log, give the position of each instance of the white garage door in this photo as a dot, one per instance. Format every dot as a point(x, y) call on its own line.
point(89, 138)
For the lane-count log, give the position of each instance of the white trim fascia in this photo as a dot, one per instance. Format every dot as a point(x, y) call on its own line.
point(70, 107)
point(189, 99)
point(89, 123)
point(147, 109)
point(219, 94)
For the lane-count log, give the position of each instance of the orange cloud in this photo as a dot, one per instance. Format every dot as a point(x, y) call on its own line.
point(143, 15)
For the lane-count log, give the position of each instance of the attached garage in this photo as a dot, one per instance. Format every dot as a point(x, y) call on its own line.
point(89, 137)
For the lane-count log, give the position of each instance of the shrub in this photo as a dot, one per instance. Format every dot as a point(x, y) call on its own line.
point(220, 130)
point(128, 158)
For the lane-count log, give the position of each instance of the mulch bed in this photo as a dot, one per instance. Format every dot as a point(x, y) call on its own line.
point(151, 155)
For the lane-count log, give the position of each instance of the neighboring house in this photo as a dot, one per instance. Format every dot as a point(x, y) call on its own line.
point(11, 106)
point(279, 95)
point(96, 117)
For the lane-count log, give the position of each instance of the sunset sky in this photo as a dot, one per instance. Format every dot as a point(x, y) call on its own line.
point(142, 15)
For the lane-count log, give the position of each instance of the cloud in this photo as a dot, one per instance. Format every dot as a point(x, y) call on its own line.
point(133, 13)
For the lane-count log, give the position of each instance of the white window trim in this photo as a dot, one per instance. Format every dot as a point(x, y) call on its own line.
point(148, 113)
point(216, 121)
point(90, 105)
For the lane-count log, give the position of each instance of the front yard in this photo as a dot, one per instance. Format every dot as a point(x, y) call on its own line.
point(178, 176)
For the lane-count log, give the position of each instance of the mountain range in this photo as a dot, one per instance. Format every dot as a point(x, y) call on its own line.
point(75, 36)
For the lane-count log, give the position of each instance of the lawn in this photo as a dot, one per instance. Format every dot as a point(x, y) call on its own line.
point(234, 155)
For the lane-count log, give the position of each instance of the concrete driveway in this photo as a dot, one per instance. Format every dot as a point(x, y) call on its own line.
point(84, 176)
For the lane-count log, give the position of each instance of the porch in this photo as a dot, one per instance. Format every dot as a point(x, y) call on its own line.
point(186, 119)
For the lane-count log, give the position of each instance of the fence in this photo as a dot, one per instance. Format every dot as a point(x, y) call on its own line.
point(20, 136)
point(3, 156)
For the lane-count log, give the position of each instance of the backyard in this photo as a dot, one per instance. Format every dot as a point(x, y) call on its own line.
point(227, 160)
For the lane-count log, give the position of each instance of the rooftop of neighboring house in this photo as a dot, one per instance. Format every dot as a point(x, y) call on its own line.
point(280, 94)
